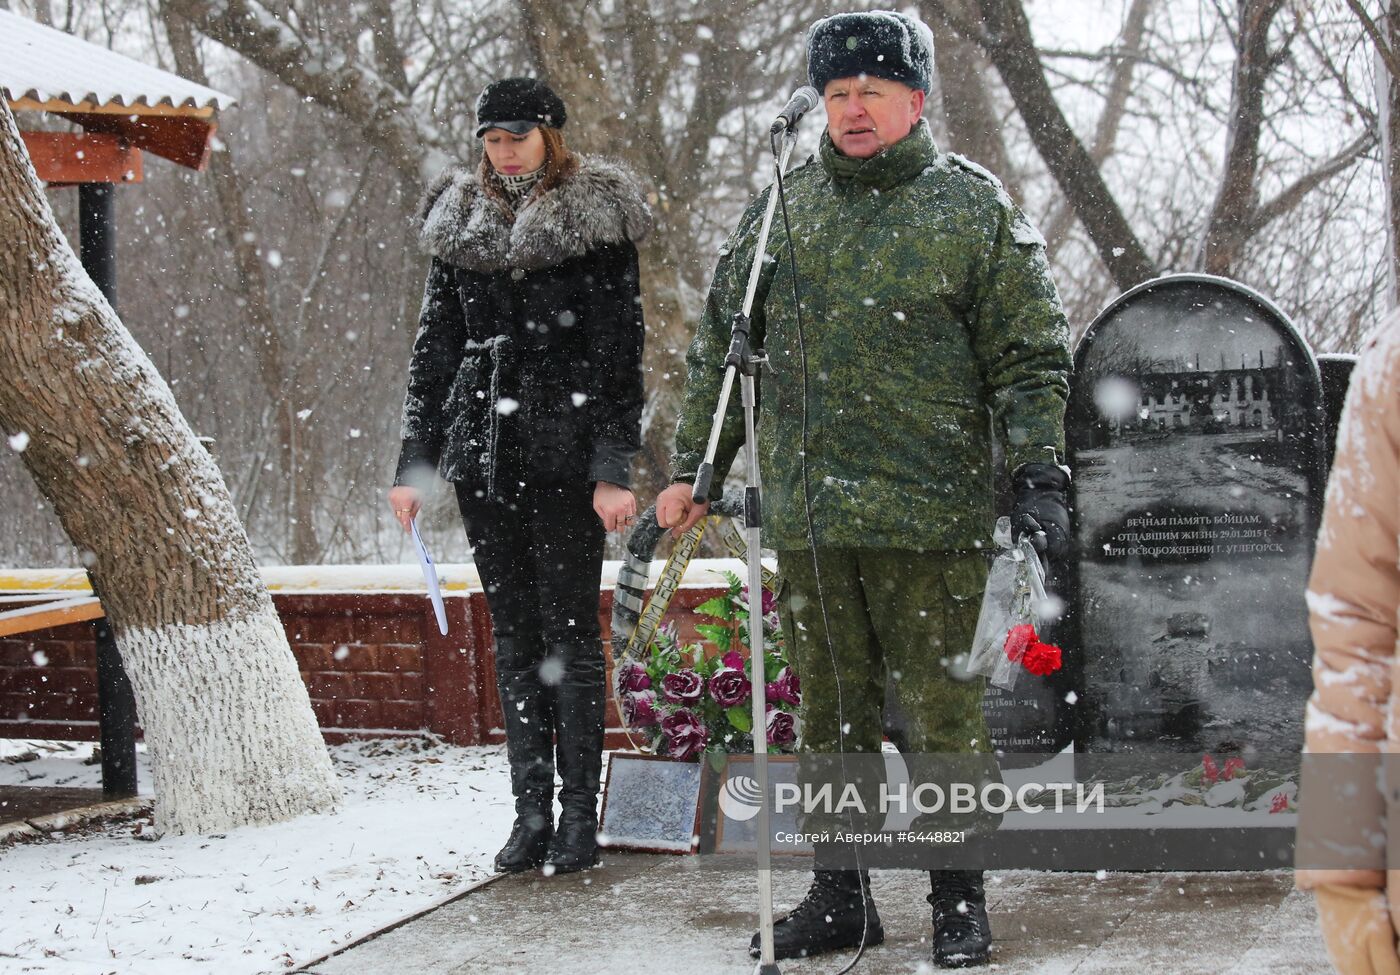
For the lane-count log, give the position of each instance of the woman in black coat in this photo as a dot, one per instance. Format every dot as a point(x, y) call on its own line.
point(525, 391)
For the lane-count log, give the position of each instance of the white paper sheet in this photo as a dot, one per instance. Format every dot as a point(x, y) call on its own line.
point(425, 562)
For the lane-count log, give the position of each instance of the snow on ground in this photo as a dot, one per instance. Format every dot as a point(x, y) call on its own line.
point(60, 765)
point(420, 822)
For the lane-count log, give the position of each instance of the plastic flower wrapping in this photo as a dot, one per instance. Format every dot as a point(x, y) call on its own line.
point(1006, 644)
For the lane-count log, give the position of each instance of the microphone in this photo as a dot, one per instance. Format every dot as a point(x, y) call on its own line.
point(803, 100)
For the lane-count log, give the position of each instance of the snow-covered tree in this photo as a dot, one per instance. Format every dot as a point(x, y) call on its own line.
point(232, 737)
point(1383, 28)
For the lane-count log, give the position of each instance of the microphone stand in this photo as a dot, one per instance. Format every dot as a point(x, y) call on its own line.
point(744, 361)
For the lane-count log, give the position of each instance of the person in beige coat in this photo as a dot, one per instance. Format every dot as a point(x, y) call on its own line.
point(1353, 596)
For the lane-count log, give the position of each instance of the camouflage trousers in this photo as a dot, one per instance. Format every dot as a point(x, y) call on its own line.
point(872, 646)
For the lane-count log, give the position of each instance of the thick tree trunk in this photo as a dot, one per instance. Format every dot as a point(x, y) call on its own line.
point(969, 115)
point(566, 55)
point(1231, 223)
point(1388, 95)
point(1005, 34)
point(227, 719)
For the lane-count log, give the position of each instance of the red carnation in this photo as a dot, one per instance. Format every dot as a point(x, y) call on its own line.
point(1210, 771)
point(1232, 765)
point(1018, 641)
point(1041, 658)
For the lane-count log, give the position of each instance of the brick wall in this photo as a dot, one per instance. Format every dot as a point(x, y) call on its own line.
point(374, 665)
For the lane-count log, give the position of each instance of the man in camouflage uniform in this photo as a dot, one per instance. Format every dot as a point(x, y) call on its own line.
point(929, 320)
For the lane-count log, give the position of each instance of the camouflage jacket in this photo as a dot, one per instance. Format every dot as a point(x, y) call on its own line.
point(929, 319)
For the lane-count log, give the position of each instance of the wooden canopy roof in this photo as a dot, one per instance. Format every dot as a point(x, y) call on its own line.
point(117, 100)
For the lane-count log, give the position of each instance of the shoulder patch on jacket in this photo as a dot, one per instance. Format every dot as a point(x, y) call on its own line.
point(976, 169)
point(982, 175)
point(1023, 232)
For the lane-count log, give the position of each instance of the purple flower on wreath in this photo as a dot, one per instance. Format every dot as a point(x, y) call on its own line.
point(639, 709)
point(770, 599)
point(686, 735)
point(782, 729)
point(728, 686)
point(682, 687)
point(733, 659)
point(632, 676)
point(785, 688)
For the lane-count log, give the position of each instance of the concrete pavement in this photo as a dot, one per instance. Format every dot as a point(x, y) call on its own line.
point(652, 914)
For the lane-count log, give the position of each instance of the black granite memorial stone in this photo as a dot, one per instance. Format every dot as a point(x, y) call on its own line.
point(1196, 436)
point(1336, 370)
point(1029, 721)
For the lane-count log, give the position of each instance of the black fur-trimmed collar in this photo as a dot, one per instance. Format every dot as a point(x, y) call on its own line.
point(601, 203)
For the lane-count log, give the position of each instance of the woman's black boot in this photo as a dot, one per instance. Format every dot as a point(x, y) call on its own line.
point(578, 721)
point(529, 720)
point(528, 843)
point(575, 843)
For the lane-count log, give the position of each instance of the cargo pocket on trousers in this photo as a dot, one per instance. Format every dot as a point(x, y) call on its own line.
point(964, 578)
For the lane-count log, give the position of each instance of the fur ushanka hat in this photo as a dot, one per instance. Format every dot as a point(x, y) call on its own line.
point(879, 43)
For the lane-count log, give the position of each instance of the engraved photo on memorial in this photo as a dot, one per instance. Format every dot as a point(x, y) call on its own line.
point(1193, 435)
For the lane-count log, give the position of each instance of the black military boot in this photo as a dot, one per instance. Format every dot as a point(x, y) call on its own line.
point(578, 723)
point(962, 935)
point(529, 720)
point(838, 912)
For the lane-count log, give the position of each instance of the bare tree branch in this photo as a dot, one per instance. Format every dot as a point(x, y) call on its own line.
point(384, 115)
point(1012, 50)
point(1115, 106)
point(1289, 198)
point(1373, 31)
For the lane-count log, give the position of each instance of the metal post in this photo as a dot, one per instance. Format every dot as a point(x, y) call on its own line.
point(116, 708)
point(744, 362)
point(116, 705)
point(753, 523)
point(97, 233)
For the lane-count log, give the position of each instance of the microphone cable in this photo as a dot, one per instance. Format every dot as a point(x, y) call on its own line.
point(865, 898)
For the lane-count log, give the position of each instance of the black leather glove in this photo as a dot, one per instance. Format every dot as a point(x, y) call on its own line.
point(1041, 509)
